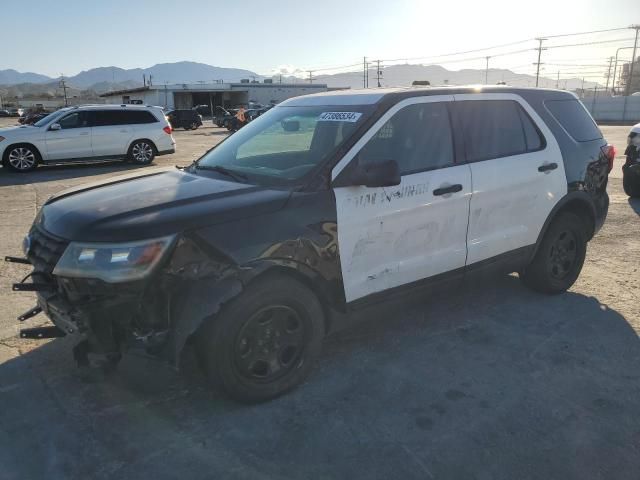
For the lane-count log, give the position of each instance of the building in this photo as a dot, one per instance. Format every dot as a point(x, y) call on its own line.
point(189, 95)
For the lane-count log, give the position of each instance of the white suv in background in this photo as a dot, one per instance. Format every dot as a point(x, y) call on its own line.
point(86, 133)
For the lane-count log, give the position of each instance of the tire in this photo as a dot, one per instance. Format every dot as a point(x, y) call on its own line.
point(630, 184)
point(560, 257)
point(194, 126)
point(142, 152)
point(276, 322)
point(21, 158)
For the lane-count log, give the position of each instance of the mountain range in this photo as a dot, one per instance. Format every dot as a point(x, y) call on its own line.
point(103, 79)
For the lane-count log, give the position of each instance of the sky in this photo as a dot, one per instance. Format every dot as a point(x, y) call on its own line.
point(285, 36)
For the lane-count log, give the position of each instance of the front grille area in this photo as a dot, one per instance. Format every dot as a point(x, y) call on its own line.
point(45, 250)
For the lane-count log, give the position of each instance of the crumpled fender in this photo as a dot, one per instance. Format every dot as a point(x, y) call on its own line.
point(200, 300)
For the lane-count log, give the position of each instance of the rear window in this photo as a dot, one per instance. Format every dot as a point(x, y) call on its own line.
point(575, 119)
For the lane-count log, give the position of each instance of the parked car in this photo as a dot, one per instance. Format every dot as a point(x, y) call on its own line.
point(187, 119)
point(326, 204)
point(32, 117)
point(86, 133)
point(5, 113)
point(15, 112)
point(224, 116)
point(203, 109)
point(631, 168)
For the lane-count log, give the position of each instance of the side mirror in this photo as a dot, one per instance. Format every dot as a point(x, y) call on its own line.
point(377, 174)
point(290, 125)
point(55, 126)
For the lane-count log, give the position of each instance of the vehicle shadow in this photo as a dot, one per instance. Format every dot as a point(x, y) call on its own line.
point(635, 204)
point(489, 381)
point(48, 173)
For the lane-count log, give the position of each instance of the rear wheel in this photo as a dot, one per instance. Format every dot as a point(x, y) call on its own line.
point(194, 126)
point(142, 152)
point(21, 158)
point(560, 257)
point(263, 343)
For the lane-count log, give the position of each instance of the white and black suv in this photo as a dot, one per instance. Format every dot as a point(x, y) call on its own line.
point(88, 133)
point(323, 205)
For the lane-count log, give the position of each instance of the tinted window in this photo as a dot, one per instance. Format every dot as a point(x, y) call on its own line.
point(575, 119)
point(103, 118)
point(532, 135)
point(491, 129)
point(74, 120)
point(418, 137)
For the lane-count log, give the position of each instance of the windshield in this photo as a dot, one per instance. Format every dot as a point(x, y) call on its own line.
point(286, 143)
point(45, 120)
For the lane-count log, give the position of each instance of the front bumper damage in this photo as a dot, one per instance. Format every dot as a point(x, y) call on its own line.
point(158, 314)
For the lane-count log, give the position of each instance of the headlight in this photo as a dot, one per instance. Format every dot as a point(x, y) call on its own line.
point(112, 262)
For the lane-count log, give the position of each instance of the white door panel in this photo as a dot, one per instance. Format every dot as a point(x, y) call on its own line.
point(68, 143)
point(393, 236)
point(112, 140)
point(511, 199)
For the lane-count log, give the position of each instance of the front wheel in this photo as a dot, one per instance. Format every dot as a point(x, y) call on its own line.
point(560, 257)
point(21, 158)
point(142, 152)
point(264, 342)
point(194, 126)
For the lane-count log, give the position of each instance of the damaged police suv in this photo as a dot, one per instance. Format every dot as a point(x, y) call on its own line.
point(323, 205)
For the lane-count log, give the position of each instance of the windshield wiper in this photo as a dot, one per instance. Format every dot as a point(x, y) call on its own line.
point(237, 176)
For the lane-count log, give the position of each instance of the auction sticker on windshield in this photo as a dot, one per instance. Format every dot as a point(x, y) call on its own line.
point(339, 117)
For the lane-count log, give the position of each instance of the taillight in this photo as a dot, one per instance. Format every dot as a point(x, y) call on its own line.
point(609, 152)
point(167, 129)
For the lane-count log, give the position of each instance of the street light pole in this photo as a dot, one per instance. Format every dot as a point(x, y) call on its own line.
point(606, 88)
point(633, 60)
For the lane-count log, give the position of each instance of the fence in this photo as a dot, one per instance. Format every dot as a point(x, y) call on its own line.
point(614, 109)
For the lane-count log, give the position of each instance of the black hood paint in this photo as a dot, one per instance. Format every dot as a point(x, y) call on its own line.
point(153, 205)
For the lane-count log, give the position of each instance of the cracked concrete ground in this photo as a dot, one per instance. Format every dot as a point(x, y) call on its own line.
point(490, 382)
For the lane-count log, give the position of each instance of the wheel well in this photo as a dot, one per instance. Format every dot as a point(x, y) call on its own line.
point(5, 155)
point(582, 210)
point(316, 289)
point(155, 149)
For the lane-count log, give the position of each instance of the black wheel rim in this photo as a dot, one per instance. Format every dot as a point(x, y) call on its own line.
point(563, 254)
point(270, 344)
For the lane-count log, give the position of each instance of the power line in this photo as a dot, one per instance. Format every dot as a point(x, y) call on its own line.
point(585, 33)
point(591, 43)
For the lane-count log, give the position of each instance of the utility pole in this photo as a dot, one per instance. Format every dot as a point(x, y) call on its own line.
point(558, 79)
point(633, 60)
point(582, 88)
point(378, 73)
point(150, 80)
point(64, 89)
point(606, 88)
point(540, 40)
point(486, 71)
point(310, 76)
point(364, 72)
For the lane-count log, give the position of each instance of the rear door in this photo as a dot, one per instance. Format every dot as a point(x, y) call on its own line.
point(111, 132)
point(394, 236)
point(73, 140)
point(517, 171)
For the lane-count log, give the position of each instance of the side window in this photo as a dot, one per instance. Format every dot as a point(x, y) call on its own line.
point(418, 137)
point(575, 119)
point(74, 120)
point(491, 129)
point(532, 135)
point(135, 117)
point(107, 118)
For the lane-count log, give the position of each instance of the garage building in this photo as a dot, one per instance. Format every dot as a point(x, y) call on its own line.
point(184, 96)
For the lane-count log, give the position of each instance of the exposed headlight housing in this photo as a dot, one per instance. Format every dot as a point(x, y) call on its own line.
point(112, 262)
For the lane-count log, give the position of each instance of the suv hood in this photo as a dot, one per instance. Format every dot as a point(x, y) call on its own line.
point(17, 130)
point(153, 205)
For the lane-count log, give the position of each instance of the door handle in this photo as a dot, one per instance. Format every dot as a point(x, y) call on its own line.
point(84, 133)
point(547, 167)
point(450, 189)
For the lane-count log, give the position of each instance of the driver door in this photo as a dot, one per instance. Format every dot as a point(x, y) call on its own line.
point(73, 140)
point(390, 237)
